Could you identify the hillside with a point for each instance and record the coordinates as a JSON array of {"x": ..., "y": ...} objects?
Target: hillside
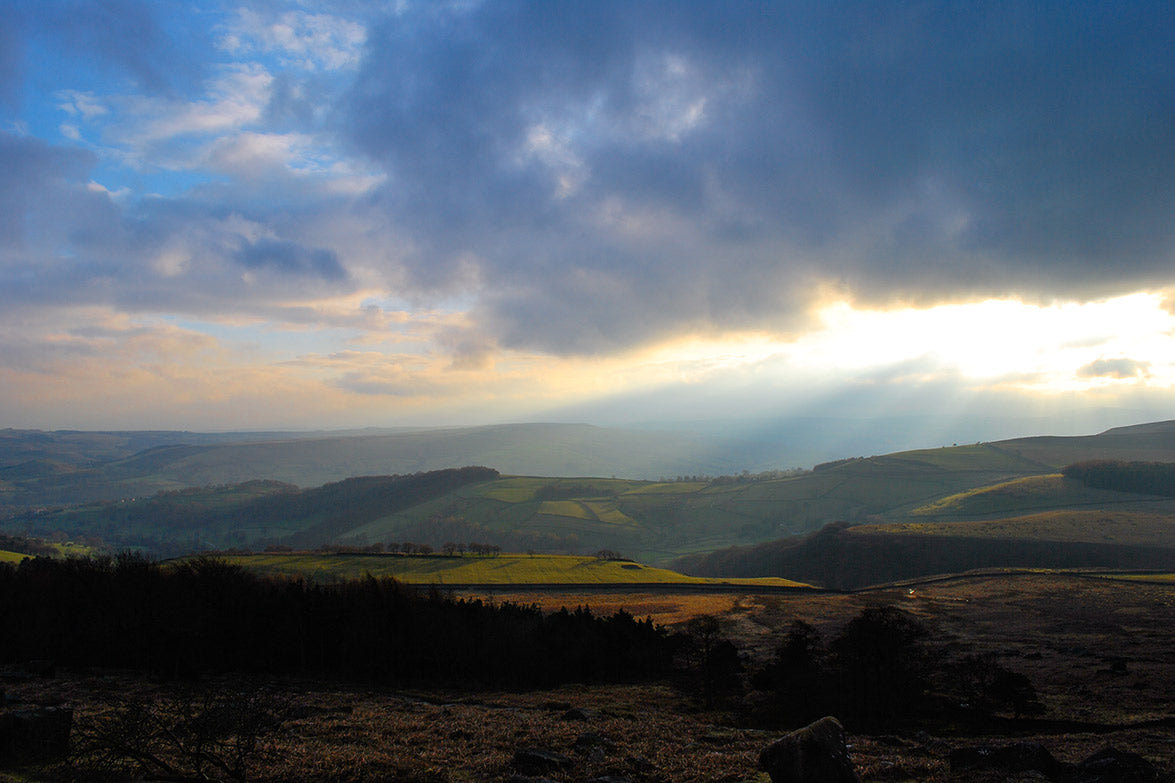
[
  {"x": 1153, "y": 442},
  {"x": 44, "y": 469},
  {"x": 651, "y": 520},
  {"x": 1036, "y": 493},
  {"x": 847, "y": 557}
]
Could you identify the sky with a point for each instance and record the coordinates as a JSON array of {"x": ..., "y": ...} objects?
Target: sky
[{"x": 276, "y": 215}]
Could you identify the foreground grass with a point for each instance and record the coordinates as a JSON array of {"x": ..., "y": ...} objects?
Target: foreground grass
[{"x": 505, "y": 569}]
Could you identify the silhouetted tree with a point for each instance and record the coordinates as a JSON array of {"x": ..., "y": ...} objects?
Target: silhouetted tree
[{"x": 882, "y": 663}]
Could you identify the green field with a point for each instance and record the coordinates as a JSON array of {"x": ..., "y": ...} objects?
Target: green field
[
  {"x": 11, "y": 557},
  {"x": 1093, "y": 527},
  {"x": 505, "y": 569},
  {"x": 1035, "y": 493},
  {"x": 651, "y": 521}
]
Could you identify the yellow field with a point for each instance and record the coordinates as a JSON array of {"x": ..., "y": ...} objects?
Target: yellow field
[
  {"x": 507, "y": 569},
  {"x": 668, "y": 488},
  {"x": 1022, "y": 488},
  {"x": 565, "y": 508},
  {"x": 607, "y": 511}
]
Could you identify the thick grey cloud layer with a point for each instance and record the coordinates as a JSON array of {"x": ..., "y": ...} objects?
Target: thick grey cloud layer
[
  {"x": 620, "y": 170},
  {"x": 588, "y": 176}
]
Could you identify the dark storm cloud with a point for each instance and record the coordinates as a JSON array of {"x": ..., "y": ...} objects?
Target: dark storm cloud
[
  {"x": 35, "y": 177},
  {"x": 291, "y": 258},
  {"x": 623, "y": 170},
  {"x": 125, "y": 37}
]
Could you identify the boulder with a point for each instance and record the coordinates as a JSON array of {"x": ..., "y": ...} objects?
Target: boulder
[
  {"x": 588, "y": 740},
  {"x": 536, "y": 761},
  {"x": 813, "y": 754},
  {"x": 1110, "y": 765},
  {"x": 1018, "y": 757},
  {"x": 35, "y": 734}
]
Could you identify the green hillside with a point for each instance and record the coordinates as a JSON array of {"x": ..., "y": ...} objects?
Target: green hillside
[
  {"x": 652, "y": 521},
  {"x": 847, "y": 557},
  {"x": 67, "y": 468},
  {"x": 1084, "y": 526},
  {"x": 1036, "y": 493}
]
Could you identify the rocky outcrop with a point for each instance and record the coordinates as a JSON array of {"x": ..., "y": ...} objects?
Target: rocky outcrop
[
  {"x": 539, "y": 761},
  {"x": 813, "y": 754},
  {"x": 1018, "y": 757},
  {"x": 1111, "y": 765},
  {"x": 35, "y": 734}
]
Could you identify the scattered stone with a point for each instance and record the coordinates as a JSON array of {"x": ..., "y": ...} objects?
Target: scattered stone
[
  {"x": 1111, "y": 765},
  {"x": 525, "y": 779},
  {"x": 610, "y": 779},
  {"x": 813, "y": 754},
  {"x": 1019, "y": 757},
  {"x": 556, "y": 706},
  {"x": 535, "y": 761},
  {"x": 588, "y": 740},
  {"x": 640, "y": 764},
  {"x": 719, "y": 737},
  {"x": 575, "y": 713},
  {"x": 35, "y": 734},
  {"x": 933, "y": 745}
]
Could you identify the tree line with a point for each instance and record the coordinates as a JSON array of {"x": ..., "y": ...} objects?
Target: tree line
[
  {"x": 881, "y": 670},
  {"x": 1144, "y": 478},
  {"x": 207, "y": 616}
]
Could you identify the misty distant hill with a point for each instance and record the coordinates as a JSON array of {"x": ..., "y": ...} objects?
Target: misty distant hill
[{"x": 62, "y": 468}]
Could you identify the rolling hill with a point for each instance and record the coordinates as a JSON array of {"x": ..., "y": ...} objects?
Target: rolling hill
[
  {"x": 66, "y": 468},
  {"x": 653, "y": 521},
  {"x": 845, "y": 557}
]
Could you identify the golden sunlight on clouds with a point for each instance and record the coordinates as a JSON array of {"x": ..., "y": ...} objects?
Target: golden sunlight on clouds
[
  {"x": 1004, "y": 343},
  {"x": 1046, "y": 348}
]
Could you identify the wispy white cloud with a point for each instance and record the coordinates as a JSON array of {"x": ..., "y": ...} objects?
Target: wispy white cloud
[{"x": 299, "y": 39}]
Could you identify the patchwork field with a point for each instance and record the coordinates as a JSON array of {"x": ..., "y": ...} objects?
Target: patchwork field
[
  {"x": 1036, "y": 493},
  {"x": 505, "y": 569},
  {"x": 653, "y": 522}
]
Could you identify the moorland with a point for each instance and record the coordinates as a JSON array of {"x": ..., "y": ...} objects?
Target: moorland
[{"x": 1024, "y": 590}]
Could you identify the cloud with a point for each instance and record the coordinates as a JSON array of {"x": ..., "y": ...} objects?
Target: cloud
[
  {"x": 289, "y": 257},
  {"x": 301, "y": 40},
  {"x": 129, "y": 38},
  {"x": 626, "y": 171},
  {"x": 1115, "y": 368}
]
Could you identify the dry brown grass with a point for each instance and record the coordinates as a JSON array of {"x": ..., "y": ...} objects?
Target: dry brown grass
[{"x": 1064, "y": 632}]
